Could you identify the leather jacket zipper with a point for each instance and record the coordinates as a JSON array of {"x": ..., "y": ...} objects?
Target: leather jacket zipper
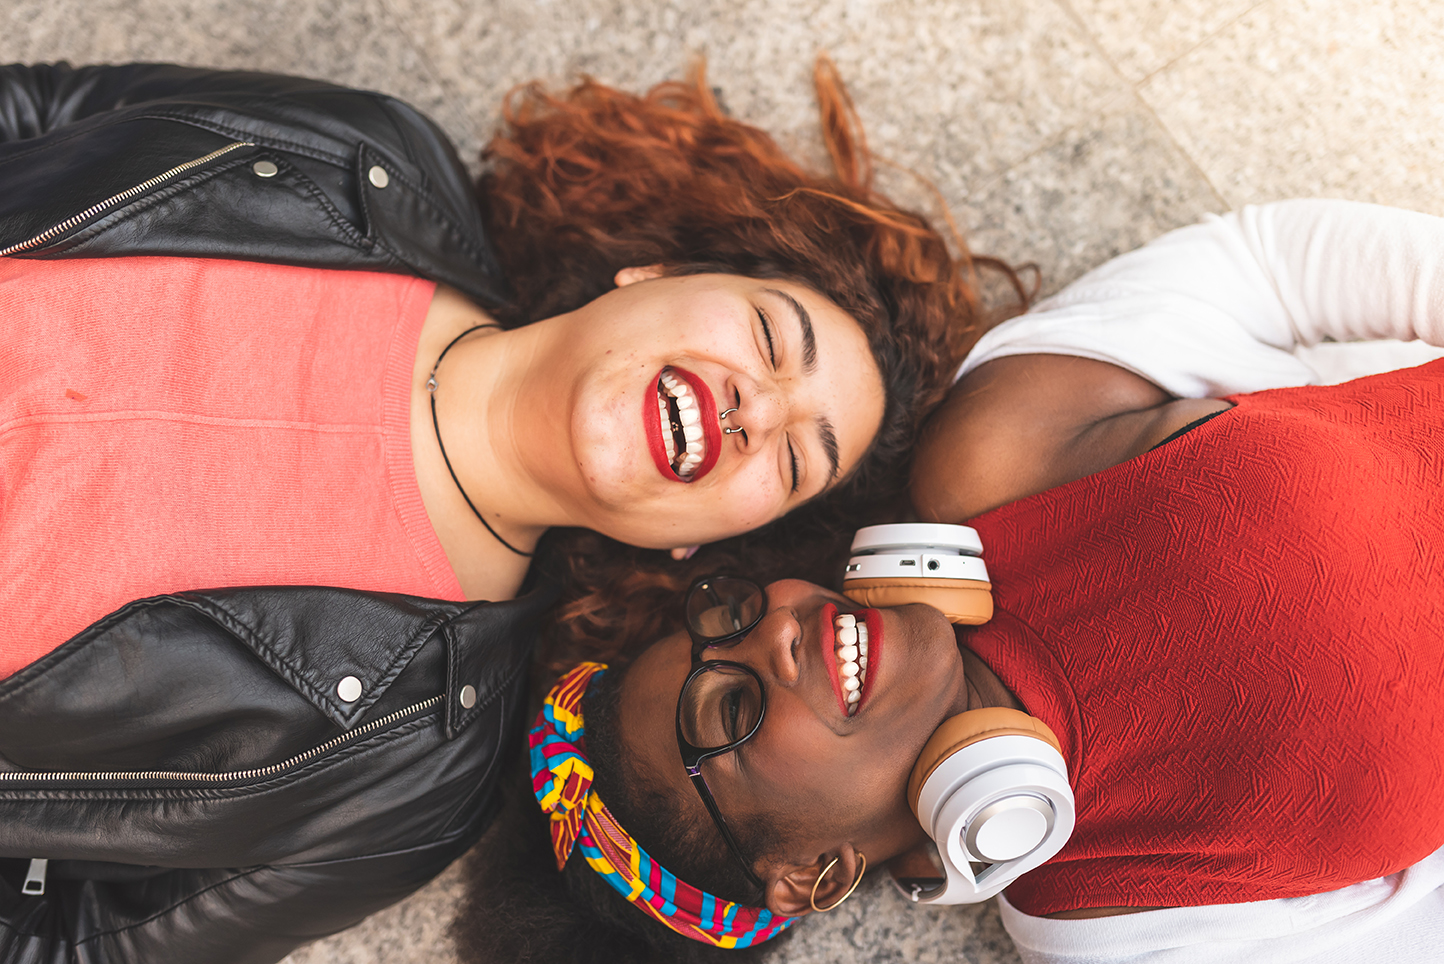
[
  {"x": 54, "y": 231},
  {"x": 236, "y": 776}
]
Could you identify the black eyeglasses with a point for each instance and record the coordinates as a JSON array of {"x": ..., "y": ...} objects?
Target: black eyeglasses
[{"x": 722, "y": 703}]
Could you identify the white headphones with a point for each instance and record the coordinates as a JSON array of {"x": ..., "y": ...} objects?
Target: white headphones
[{"x": 990, "y": 786}]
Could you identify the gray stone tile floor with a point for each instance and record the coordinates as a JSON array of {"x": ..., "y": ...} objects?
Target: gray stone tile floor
[{"x": 1058, "y": 132}]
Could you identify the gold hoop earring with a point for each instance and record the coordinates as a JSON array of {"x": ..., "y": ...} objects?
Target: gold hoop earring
[{"x": 856, "y": 880}]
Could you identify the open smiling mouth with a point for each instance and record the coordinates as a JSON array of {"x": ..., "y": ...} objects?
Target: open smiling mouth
[{"x": 682, "y": 444}]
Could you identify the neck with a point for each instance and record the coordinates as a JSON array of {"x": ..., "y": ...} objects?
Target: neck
[
  {"x": 485, "y": 411},
  {"x": 984, "y": 688}
]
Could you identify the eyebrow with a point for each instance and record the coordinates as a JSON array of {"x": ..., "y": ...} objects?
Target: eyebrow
[
  {"x": 804, "y": 321},
  {"x": 829, "y": 445},
  {"x": 825, "y": 430}
]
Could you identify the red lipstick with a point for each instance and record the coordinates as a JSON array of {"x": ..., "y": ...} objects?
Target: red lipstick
[
  {"x": 707, "y": 413},
  {"x": 652, "y": 423},
  {"x": 827, "y": 638}
]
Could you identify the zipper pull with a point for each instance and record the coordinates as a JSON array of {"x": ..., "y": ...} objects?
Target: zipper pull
[{"x": 35, "y": 877}]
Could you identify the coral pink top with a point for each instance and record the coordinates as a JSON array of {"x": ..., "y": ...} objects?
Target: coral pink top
[
  {"x": 172, "y": 423},
  {"x": 1239, "y": 640}
]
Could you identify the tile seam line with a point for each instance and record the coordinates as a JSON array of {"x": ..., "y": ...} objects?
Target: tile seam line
[
  {"x": 1136, "y": 88},
  {"x": 1173, "y": 138},
  {"x": 1203, "y": 42},
  {"x": 1064, "y": 133}
]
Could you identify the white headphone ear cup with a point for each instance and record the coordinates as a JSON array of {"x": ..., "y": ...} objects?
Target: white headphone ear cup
[{"x": 1002, "y": 800}]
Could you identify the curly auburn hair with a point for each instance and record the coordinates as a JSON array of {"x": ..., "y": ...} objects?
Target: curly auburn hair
[{"x": 582, "y": 184}]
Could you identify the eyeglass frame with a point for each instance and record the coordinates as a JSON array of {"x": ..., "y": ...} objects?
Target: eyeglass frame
[{"x": 692, "y": 756}]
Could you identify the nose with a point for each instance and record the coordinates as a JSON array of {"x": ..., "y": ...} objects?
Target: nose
[
  {"x": 763, "y": 413},
  {"x": 772, "y": 647},
  {"x": 777, "y": 643}
]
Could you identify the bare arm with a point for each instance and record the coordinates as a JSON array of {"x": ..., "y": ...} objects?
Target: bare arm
[
  {"x": 1133, "y": 351},
  {"x": 1022, "y": 424}
]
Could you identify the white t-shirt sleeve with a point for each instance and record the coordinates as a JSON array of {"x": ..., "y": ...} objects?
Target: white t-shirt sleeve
[
  {"x": 1392, "y": 920},
  {"x": 1265, "y": 297}
]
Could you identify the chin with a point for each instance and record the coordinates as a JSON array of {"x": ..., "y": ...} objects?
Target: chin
[
  {"x": 932, "y": 646},
  {"x": 613, "y": 467}
]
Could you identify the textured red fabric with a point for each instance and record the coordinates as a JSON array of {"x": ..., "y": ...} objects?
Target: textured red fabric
[
  {"x": 1239, "y": 640},
  {"x": 170, "y": 424}
]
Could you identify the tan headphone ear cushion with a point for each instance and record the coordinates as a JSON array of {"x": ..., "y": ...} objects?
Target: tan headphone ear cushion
[
  {"x": 965, "y": 601},
  {"x": 968, "y": 728}
]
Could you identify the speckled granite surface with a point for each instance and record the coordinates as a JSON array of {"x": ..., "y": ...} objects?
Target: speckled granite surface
[{"x": 1059, "y": 132}]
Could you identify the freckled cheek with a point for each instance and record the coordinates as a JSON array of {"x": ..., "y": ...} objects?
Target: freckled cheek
[{"x": 750, "y": 500}]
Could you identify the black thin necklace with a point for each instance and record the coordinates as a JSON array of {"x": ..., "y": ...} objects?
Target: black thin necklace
[{"x": 436, "y": 424}]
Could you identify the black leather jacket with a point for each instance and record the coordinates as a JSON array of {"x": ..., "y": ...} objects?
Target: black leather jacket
[
  {"x": 220, "y": 776},
  {"x": 204, "y": 793}
]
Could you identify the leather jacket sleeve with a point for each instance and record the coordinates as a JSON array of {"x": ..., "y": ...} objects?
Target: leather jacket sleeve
[
  {"x": 37, "y": 99},
  {"x": 253, "y": 915},
  {"x": 154, "y": 159}
]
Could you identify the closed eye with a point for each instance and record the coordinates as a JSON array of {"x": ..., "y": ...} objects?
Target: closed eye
[
  {"x": 731, "y": 710},
  {"x": 767, "y": 333},
  {"x": 792, "y": 455}
]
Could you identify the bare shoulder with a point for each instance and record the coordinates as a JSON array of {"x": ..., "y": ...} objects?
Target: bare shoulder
[{"x": 1023, "y": 424}]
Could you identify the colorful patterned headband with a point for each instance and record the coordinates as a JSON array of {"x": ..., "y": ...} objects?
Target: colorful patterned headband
[{"x": 561, "y": 777}]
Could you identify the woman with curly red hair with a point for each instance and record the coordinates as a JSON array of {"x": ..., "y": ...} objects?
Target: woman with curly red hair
[
  {"x": 654, "y": 325},
  {"x": 262, "y": 331}
]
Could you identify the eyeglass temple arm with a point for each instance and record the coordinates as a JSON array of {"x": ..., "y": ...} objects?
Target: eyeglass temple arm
[{"x": 705, "y": 792}]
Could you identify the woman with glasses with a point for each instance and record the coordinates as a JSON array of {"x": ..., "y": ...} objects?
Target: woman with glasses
[{"x": 1230, "y": 624}]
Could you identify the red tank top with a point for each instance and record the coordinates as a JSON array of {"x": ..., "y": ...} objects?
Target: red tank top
[
  {"x": 1239, "y": 639},
  {"x": 182, "y": 423}
]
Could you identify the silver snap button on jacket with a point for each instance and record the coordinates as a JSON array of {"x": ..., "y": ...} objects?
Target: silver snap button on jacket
[
  {"x": 468, "y": 696},
  {"x": 349, "y": 689},
  {"x": 265, "y": 168},
  {"x": 378, "y": 176}
]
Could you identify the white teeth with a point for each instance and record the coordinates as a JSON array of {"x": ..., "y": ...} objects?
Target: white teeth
[
  {"x": 850, "y": 648},
  {"x": 675, "y": 395},
  {"x": 667, "y": 442}
]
